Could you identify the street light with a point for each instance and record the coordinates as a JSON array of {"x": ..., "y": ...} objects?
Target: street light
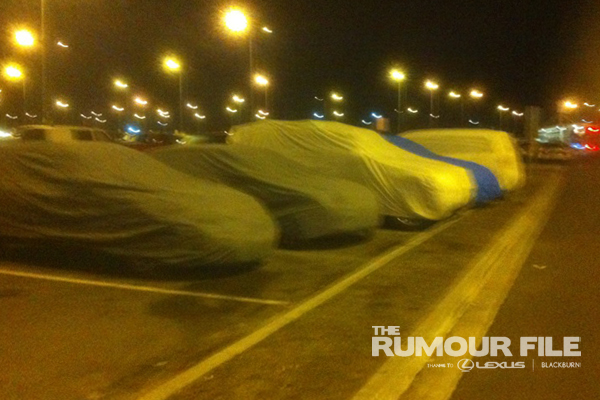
[
  {"x": 398, "y": 76},
  {"x": 431, "y": 86},
  {"x": 173, "y": 65},
  {"x": 457, "y": 96},
  {"x": 24, "y": 38},
  {"x": 476, "y": 95},
  {"x": 13, "y": 72},
  {"x": 501, "y": 110},
  {"x": 261, "y": 80}
]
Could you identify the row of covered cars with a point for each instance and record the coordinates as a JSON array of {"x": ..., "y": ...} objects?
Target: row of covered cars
[{"x": 274, "y": 182}]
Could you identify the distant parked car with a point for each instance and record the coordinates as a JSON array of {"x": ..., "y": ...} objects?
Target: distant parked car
[{"x": 61, "y": 133}]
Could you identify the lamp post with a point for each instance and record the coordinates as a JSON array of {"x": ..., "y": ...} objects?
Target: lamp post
[
  {"x": 457, "y": 96},
  {"x": 237, "y": 22},
  {"x": 398, "y": 76},
  {"x": 14, "y": 73},
  {"x": 261, "y": 80},
  {"x": 173, "y": 65},
  {"x": 501, "y": 110},
  {"x": 476, "y": 95},
  {"x": 432, "y": 87}
]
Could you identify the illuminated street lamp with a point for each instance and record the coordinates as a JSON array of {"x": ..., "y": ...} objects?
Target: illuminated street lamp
[
  {"x": 432, "y": 87},
  {"x": 120, "y": 84},
  {"x": 476, "y": 95},
  {"x": 173, "y": 65},
  {"x": 237, "y": 22},
  {"x": 501, "y": 110},
  {"x": 454, "y": 96},
  {"x": 398, "y": 76},
  {"x": 14, "y": 73},
  {"x": 261, "y": 80},
  {"x": 24, "y": 38}
]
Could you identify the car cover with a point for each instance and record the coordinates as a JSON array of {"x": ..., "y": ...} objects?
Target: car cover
[
  {"x": 496, "y": 150},
  {"x": 106, "y": 197},
  {"x": 405, "y": 184},
  {"x": 305, "y": 204},
  {"x": 488, "y": 188}
]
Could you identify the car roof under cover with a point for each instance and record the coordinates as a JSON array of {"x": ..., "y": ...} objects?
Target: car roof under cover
[
  {"x": 110, "y": 198},
  {"x": 305, "y": 204},
  {"x": 406, "y": 185}
]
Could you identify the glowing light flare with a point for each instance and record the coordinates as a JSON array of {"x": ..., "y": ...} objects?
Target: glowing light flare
[
  {"x": 102, "y": 121},
  {"x": 61, "y": 44},
  {"x": 570, "y": 105},
  {"x": 235, "y": 20},
  {"x": 62, "y": 104},
  {"x": 85, "y": 116},
  {"x": 397, "y": 75},
  {"x": 140, "y": 101},
  {"x": 120, "y": 84},
  {"x": 434, "y": 116},
  {"x": 476, "y": 94},
  {"x": 338, "y": 114},
  {"x": 117, "y": 108},
  {"x": 13, "y": 72},
  {"x": 139, "y": 116},
  {"x": 366, "y": 122},
  {"x": 431, "y": 85},
  {"x": 199, "y": 116},
  {"x": 24, "y": 38},
  {"x": 231, "y": 110},
  {"x": 133, "y": 130},
  {"x": 336, "y": 97},
  {"x": 377, "y": 116},
  {"x": 473, "y": 122},
  {"x": 266, "y": 29},
  {"x": 95, "y": 114},
  {"x": 260, "y": 116},
  {"x": 318, "y": 99},
  {"x": 454, "y": 95},
  {"x": 261, "y": 112},
  {"x": 517, "y": 114},
  {"x": 11, "y": 116},
  {"x": 172, "y": 64},
  {"x": 192, "y": 106},
  {"x": 162, "y": 123},
  {"x": 261, "y": 80},
  {"x": 502, "y": 108},
  {"x": 320, "y": 116},
  {"x": 30, "y": 115},
  {"x": 589, "y": 105},
  {"x": 590, "y": 129},
  {"x": 238, "y": 99},
  {"x": 412, "y": 111}
]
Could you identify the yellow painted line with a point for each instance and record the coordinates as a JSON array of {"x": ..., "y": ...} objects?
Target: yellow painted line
[
  {"x": 502, "y": 260},
  {"x": 189, "y": 376},
  {"x": 149, "y": 289}
]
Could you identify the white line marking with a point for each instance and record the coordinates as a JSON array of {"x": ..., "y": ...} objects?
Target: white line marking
[
  {"x": 187, "y": 377},
  {"x": 150, "y": 289},
  {"x": 498, "y": 266}
]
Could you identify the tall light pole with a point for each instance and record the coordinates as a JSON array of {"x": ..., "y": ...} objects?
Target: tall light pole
[
  {"x": 457, "y": 96},
  {"x": 475, "y": 94},
  {"x": 261, "y": 80},
  {"x": 172, "y": 64},
  {"x": 431, "y": 86},
  {"x": 14, "y": 73},
  {"x": 398, "y": 76},
  {"x": 501, "y": 110},
  {"x": 237, "y": 22}
]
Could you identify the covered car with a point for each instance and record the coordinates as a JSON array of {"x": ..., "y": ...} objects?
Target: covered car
[
  {"x": 305, "y": 204},
  {"x": 488, "y": 187},
  {"x": 406, "y": 185},
  {"x": 108, "y": 198},
  {"x": 495, "y": 150}
]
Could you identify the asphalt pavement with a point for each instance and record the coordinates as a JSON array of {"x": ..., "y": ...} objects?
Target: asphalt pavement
[{"x": 301, "y": 325}]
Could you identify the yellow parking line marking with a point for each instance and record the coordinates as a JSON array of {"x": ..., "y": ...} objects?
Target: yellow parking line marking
[
  {"x": 500, "y": 264},
  {"x": 189, "y": 376},
  {"x": 150, "y": 289}
]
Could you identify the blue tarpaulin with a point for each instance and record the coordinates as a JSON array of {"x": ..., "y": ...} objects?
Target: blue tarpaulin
[{"x": 488, "y": 187}]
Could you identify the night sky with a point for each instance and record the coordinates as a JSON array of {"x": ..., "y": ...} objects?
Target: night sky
[{"x": 519, "y": 52}]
